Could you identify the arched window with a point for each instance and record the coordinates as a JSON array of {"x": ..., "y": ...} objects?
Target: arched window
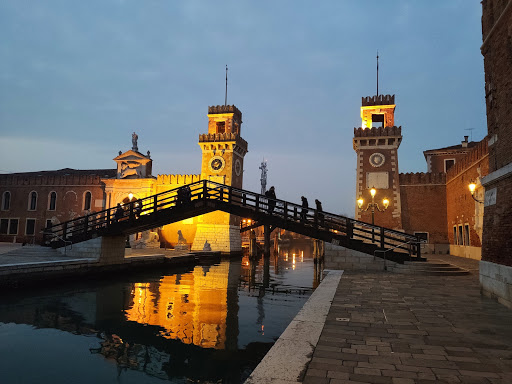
[
  {"x": 32, "y": 204},
  {"x": 53, "y": 201},
  {"x": 87, "y": 201},
  {"x": 6, "y": 201}
]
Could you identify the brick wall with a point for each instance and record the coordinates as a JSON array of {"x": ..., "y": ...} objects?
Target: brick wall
[
  {"x": 462, "y": 209},
  {"x": 497, "y": 52},
  {"x": 423, "y": 197},
  {"x": 70, "y": 191}
]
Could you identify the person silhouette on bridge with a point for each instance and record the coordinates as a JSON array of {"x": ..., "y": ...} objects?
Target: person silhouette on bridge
[
  {"x": 138, "y": 208},
  {"x": 319, "y": 212},
  {"x": 118, "y": 215},
  {"x": 271, "y": 196},
  {"x": 304, "y": 212}
]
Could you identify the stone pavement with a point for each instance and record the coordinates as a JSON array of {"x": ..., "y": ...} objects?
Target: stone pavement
[{"x": 390, "y": 328}]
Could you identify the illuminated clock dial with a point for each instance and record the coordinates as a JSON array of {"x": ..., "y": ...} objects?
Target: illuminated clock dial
[
  {"x": 377, "y": 159},
  {"x": 217, "y": 164}
]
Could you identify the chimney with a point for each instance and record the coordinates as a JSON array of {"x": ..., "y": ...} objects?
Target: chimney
[{"x": 465, "y": 142}]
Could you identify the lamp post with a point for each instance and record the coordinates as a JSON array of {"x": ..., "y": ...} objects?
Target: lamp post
[
  {"x": 372, "y": 206},
  {"x": 472, "y": 188}
]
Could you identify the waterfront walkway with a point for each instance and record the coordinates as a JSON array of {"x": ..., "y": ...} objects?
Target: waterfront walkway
[
  {"x": 395, "y": 329},
  {"x": 391, "y": 328}
]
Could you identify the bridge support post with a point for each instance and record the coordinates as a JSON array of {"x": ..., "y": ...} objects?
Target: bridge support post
[{"x": 267, "y": 231}]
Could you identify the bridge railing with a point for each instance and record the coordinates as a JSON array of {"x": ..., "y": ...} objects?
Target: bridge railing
[{"x": 82, "y": 227}]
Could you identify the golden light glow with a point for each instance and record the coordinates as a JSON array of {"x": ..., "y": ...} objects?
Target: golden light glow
[
  {"x": 385, "y": 202},
  {"x": 360, "y": 202},
  {"x": 472, "y": 187},
  {"x": 192, "y": 309},
  {"x": 373, "y": 192},
  {"x": 130, "y": 196}
]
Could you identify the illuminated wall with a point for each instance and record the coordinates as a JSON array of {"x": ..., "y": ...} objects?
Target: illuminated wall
[{"x": 192, "y": 307}]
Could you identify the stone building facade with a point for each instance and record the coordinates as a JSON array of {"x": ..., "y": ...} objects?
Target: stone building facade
[
  {"x": 496, "y": 265},
  {"x": 32, "y": 200}
]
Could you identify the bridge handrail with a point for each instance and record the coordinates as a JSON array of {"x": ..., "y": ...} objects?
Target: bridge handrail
[
  {"x": 384, "y": 251},
  {"x": 205, "y": 189}
]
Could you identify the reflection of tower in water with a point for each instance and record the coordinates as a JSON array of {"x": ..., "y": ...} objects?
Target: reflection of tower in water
[{"x": 195, "y": 307}]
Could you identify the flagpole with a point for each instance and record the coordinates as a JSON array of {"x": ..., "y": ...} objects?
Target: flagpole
[{"x": 226, "y": 97}]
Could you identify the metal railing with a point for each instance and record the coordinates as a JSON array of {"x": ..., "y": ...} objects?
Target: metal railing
[
  {"x": 210, "y": 196},
  {"x": 385, "y": 251}
]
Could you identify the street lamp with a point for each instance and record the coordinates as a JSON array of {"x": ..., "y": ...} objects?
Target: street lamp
[
  {"x": 472, "y": 188},
  {"x": 373, "y": 205}
]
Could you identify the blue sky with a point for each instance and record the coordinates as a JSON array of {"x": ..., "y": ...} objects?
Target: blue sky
[{"x": 78, "y": 77}]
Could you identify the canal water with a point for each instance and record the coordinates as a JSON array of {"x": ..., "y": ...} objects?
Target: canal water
[{"x": 209, "y": 323}]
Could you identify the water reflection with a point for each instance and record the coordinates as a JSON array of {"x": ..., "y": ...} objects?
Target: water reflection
[{"x": 211, "y": 322}]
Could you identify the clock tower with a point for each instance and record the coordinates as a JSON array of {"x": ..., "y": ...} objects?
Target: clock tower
[
  {"x": 222, "y": 162},
  {"x": 376, "y": 144}
]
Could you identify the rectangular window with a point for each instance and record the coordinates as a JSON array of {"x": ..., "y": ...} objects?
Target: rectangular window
[
  {"x": 13, "y": 227},
  {"x": 30, "y": 227},
  {"x": 466, "y": 234},
  {"x": 448, "y": 163},
  {"x": 4, "y": 226},
  {"x": 461, "y": 239},
  {"x": 221, "y": 127},
  {"x": 48, "y": 223},
  {"x": 455, "y": 235}
]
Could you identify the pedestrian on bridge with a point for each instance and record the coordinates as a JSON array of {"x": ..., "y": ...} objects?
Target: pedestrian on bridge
[
  {"x": 304, "y": 212},
  {"x": 319, "y": 212},
  {"x": 271, "y": 196},
  {"x": 118, "y": 215}
]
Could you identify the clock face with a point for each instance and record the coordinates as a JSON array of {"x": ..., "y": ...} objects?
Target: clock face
[
  {"x": 377, "y": 159},
  {"x": 216, "y": 164},
  {"x": 238, "y": 167}
]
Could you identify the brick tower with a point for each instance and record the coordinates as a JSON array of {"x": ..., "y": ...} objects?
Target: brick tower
[
  {"x": 222, "y": 162},
  {"x": 376, "y": 144}
]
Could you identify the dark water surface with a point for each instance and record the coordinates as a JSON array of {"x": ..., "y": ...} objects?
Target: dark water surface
[{"x": 210, "y": 323}]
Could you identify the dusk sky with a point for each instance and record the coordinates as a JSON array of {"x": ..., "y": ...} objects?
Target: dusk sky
[{"x": 78, "y": 77}]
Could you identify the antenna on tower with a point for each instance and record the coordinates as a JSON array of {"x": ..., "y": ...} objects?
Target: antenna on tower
[
  {"x": 470, "y": 133},
  {"x": 226, "y": 97},
  {"x": 263, "y": 178},
  {"x": 377, "y": 73}
]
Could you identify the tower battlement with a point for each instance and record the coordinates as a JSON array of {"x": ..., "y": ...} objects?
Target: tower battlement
[
  {"x": 378, "y": 131},
  {"x": 218, "y": 109},
  {"x": 422, "y": 178},
  {"x": 369, "y": 101}
]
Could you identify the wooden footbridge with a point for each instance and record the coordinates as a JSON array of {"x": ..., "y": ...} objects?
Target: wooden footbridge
[{"x": 205, "y": 196}]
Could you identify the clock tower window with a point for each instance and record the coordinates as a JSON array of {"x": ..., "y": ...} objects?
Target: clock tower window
[{"x": 221, "y": 126}]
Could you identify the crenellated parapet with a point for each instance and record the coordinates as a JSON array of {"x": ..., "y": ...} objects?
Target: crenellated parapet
[
  {"x": 369, "y": 101},
  {"x": 218, "y": 109},
  {"x": 422, "y": 178},
  {"x": 378, "y": 131},
  {"x": 223, "y": 141},
  {"x": 177, "y": 179},
  {"x": 50, "y": 180},
  {"x": 475, "y": 154}
]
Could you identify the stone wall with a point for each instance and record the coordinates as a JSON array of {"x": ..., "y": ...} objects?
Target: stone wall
[
  {"x": 221, "y": 237},
  {"x": 106, "y": 249},
  {"x": 496, "y": 282},
  {"x": 337, "y": 257}
]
